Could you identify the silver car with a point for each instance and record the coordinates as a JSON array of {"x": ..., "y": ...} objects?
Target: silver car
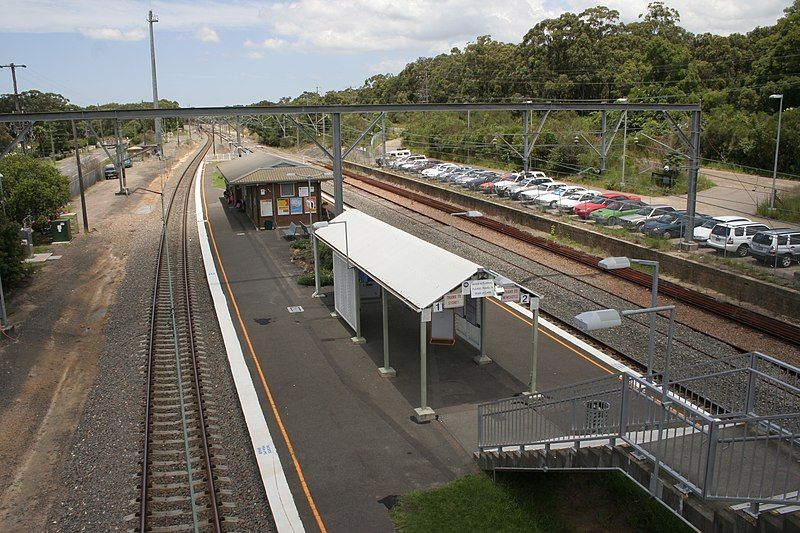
[{"x": 635, "y": 221}]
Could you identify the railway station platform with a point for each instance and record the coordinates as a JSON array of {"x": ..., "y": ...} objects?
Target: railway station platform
[{"x": 345, "y": 438}]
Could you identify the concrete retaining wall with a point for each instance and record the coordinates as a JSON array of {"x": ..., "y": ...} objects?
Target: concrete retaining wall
[{"x": 780, "y": 300}]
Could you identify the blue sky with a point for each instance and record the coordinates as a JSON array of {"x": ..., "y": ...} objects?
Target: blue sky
[{"x": 215, "y": 52}]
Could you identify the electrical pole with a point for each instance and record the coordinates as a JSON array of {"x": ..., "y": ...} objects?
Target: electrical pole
[
  {"x": 80, "y": 178},
  {"x": 14, "y": 68},
  {"x": 151, "y": 19}
]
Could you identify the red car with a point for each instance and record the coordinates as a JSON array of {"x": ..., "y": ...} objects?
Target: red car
[{"x": 598, "y": 202}]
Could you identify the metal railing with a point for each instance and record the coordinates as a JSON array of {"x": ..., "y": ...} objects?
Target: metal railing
[{"x": 737, "y": 448}]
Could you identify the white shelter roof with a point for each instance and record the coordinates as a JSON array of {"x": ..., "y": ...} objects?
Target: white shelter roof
[{"x": 414, "y": 270}]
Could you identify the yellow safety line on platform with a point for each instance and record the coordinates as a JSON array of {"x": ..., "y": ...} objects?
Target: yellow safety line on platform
[
  {"x": 553, "y": 337},
  {"x": 274, "y": 407}
]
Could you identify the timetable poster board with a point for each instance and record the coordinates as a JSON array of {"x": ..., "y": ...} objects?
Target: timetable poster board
[
  {"x": 266, "y": 208},
  {"x": 283, "y": 206},
  {"x": 296, "y": 206}
]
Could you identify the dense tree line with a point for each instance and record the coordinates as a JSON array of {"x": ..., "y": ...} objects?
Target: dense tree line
[{"x": 592, "y": 55}]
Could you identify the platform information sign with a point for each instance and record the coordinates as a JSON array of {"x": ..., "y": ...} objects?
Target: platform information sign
[
  {"x": 480, "y": 288},
  {"x": 453, "y": 300},
  {"x": 510, "y": 293}
]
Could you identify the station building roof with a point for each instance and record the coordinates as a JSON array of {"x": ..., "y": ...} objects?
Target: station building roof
[
  {"x": 259, "y": 168},
  {"x": 416, "y": 271}
]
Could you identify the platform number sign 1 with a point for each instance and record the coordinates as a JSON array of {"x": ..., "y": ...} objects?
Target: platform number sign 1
[{"x": 438, "y": 307}]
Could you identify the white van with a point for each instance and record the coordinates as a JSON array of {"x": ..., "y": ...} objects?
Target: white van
[
  {"x": 400, "y": 152},
  {"x": 735, "y": 236}
]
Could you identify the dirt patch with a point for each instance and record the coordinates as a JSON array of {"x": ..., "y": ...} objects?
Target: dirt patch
[{"x": 66, "y": 371}]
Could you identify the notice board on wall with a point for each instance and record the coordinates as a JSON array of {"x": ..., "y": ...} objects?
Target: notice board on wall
[{"x": 266, "y": 208}]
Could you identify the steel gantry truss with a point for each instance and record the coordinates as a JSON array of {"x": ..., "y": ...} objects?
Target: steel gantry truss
[{"x": 336, "y": 154}]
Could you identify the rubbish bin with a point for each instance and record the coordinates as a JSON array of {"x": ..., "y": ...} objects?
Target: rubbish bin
[
  {"x": 267, "y": 224},
  {"x": 597, "y": 414},
  {"x": 60, "y": 230}
]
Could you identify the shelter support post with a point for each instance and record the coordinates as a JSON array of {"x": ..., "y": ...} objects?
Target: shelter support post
[
  {"x": 423, "y": 413},
  {"x": 482, "y": 359},
  {"x": 358, "y": 339},
  {"x": 535, "y": 345},
  {"x": 317, "y": 293},
  {"x": 386, "y": 370}
]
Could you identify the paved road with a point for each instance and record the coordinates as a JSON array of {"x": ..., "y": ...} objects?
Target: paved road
[
  {"x": 69, "y": 168},
  {"x": 351, "y": 429}
]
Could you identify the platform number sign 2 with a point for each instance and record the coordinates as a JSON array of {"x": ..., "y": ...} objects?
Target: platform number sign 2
[{"x": 524, "y": 298}]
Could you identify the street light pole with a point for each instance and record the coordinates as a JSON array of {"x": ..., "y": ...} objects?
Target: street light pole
[
  {"x": 778, "y": 97},
  {"x": 151, "y": 19}
]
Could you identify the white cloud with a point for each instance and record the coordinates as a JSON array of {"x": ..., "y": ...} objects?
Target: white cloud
[
  {"x": 269, "y": 44},
  {"x": 254, "y": 54},
  {"x": 207, "y": 35},
  {"x": 113, "y": 34},
  {"x": 392, "y": 66},
  {"x": 355, "y": 26}
]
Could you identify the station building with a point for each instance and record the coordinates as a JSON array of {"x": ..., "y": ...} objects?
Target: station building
[{"x": 272, "y": 191}]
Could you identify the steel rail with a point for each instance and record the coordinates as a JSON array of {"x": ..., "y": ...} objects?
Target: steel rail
[
  {"x": 777, "y": 328},
  {"x": 152, "y": 338}
]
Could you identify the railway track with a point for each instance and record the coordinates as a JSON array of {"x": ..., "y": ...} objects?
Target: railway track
[
  {"x": 779, "y": 329},
  {"x": 178, "y": 485}
]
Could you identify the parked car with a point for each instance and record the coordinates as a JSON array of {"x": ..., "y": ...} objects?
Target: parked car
[
  {"x": 667, "y": 226},
  {"x": 412, "y": 160},
  {"x": 528, "y": 196},
  {"x": 127, "y": 163},
  {"x": 488, "y": 186},
  {"x": 551, "y": 199},
  {"x": 635, "y": 221},
  {"x": 777, "y": 247},
  {"x": 510, "y": 181},
  {"x": 585, "y": 209},
  {"x": 671, "y": 225},
  {"x": 109, "y": 172},
  {"x": 569, "y": 201},
  {"x": 702, "y": 232},
  {"x": 527, "y": 184},
  {"x": 445, "y": 175},
  {"x": 611, "y": 213},
  {"x": 734, "y": 237},
  {"x": 486, "y": 177},
  {"x": 435, "y": 170}
]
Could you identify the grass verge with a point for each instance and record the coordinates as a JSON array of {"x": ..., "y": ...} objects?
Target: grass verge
[
  {"x": 533, "y": 502},
  {"x": 217, "y": 181},
  {"x": 787, "y": 207}
]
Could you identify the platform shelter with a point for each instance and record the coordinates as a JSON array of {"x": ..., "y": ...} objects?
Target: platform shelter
[{"x": 373, "y": 259}]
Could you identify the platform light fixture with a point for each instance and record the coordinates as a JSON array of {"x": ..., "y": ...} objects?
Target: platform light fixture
[
  {"x": 611, "y": 318},
  {"x": 615, "y": 263}
]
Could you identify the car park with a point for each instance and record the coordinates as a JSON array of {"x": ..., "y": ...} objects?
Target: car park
[
  {"x": 611, "y": 213},
  {"x": 777, "y": 247},
  {"x": 530, "y": 195},
  {"x": 551, "y": 199},
  {"x": 734, "y": 237},
  {"x": 702, "y": 232},
  {"x": 599, "y": 202},
  {"x": 635, "y": 221}
]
